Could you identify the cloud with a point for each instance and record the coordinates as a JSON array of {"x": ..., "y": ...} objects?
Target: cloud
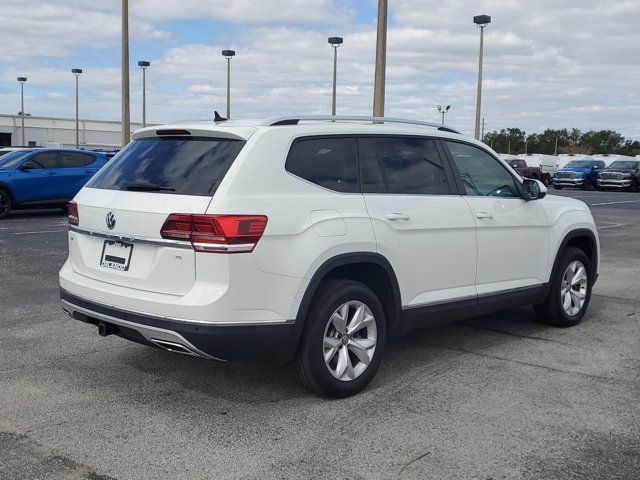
[{"x": 560, "y": 64}]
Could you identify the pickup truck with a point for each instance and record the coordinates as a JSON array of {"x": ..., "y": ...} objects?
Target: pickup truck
[
  {"x": 525, "y": 171},
  {"x": 621, "y": 175},
  {"x": 578, "y": 173}
]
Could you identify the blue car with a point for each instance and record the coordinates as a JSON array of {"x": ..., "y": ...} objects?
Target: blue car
[
  {"x": 44, "y": 178},
  {"x": 578, "y": 173}
]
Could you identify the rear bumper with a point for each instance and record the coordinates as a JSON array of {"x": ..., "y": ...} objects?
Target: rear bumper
[{"x": 274, "y": 342}]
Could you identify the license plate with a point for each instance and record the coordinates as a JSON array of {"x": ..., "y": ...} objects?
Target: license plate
[{"x": 116, "y": 255}]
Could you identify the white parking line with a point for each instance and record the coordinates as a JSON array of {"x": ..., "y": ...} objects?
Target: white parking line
[
  {"x": 615, "y": 225},
  {"x": 614, "y": 203},
  {"x": 41, "y": 231}
]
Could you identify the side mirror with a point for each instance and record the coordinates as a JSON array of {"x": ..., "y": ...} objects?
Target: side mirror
[
  {"x": 533, "y": 189},
  {"x": 27, "y": 166}
]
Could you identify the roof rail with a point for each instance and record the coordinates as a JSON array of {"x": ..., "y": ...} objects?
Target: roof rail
[{"x": 276, "y": 121}]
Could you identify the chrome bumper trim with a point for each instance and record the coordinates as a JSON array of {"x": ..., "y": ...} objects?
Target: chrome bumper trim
[{"x": 154, "y": 335}]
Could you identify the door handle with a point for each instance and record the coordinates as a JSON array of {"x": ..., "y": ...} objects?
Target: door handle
[
  {"x": 484, "y": 215},
  {"x": 395, "y": 217}
]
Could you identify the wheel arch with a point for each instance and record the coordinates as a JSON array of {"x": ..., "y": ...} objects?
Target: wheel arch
[
  {"x": 584, "y": 239},
  {"x": 372, "y": 269},
  {"x": 6, "y": 188}
]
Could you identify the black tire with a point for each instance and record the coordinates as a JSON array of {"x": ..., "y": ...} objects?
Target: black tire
[
  {"x": 5, "y": 203},
  {"x": 557, "y": 187},
  {"x": 309, "y": 362},
  {"x": 551, "y": 312},
  {"x": 602, "y": 189},
  {"x": 634, "y": 186},
  {"x": 546, "y": 180}
]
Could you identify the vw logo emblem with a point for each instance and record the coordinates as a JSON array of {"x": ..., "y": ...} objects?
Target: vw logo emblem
[{"x": 111, "y": 220}]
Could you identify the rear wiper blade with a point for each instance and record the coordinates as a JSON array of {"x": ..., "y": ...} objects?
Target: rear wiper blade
[{"x": 147, "y": 187}]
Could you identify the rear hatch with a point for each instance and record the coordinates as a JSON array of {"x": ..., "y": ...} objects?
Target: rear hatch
[{"x": 122, "y": 210}]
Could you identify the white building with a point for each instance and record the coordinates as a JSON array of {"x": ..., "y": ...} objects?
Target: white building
[{"x": 60, "y": 132}]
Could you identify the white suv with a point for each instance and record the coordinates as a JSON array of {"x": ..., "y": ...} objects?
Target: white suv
[{"x": 314, "y": 239}]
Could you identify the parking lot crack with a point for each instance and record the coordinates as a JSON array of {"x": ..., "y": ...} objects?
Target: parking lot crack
[
  {"x": 536, "y": 365},
  {"x": 513, "y": 334},
  {"x": 411, "y": 462}
]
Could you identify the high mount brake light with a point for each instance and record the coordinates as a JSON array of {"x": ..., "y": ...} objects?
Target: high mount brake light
[
  {"x": 72, "y": 214},
  {"x": 172, "y": 133},
  {"x": 216, "y": 233}
]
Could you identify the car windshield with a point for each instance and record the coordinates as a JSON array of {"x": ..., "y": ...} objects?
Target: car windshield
[
  {"x": 578, "y": 164},
  {"x": 630, "y": 164},
  {"x": 518, "y": 163},
  {"x": 10, "y": 160}
]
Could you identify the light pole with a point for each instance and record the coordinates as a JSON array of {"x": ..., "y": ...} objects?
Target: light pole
[
  {"x": 126, "y": 107},
  {"x": 443, "y": 111},
  {"x": 77, "y": 72},
  {"x": 335, "y": 42},
  {"x": 482, "y": 21},
  {"x": 228, "y": 54},
  {"x": 22, "y": 81},
  {"x": 381, "y": 60},
  {"x": 144, "y": 65}
]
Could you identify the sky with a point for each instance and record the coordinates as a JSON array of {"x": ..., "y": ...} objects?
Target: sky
[{"x": 548, "y": 63}]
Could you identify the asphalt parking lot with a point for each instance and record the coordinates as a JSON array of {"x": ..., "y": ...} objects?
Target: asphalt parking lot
[{"x": 491, "y": 398}]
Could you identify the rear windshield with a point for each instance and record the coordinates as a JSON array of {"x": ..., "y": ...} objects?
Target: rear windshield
[
  {"x": 193, "y": 166},
  {"x": 518, "y": 163}
]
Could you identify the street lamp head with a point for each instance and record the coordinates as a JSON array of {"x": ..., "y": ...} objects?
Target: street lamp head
[
  {"x": 76, "y": 71},
  {"x": 439, "y": 108},
  {"x": 228, "y": 53},
  {"x": 335, "y": 41},
  {"x": 22, "y": 79},
  {"x": 144, "y": 64},
  {"x": 482, "y": 20},
  {"x": 447, "y": 109}
]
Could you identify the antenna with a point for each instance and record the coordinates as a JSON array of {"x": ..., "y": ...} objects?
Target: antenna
[{"x": 218, "y": 118}]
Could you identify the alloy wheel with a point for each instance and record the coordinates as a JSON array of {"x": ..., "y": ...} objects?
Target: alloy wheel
[
  {"x": 573, "y": 288},
  {"x": 349, "y": 341}
]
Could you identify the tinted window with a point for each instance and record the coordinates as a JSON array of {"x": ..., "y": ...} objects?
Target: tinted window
[
  {"x": 46, "y": 160},
  {"x": 598, "y": 165},
  {"x": 192, "y": 166},
  {"x": 401, "y": 165},
  {"x": 518, "y": 163},
  {"x": 329, "y": 162},
  {"x": 71, "y": 159},
  {"x": 482, "y": 174}
]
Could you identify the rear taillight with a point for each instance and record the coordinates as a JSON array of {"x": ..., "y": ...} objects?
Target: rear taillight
[
  {"x": 72, "y": 214},
  {"x": 216, "y": 233}
]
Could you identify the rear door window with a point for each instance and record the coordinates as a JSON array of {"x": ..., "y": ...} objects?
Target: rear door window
[
  {"x": 193, "y": 166},
  {"x": 326, "y": 161},
  {"x": 402, "y": 165},
  {"x": 72, "y": 159}
]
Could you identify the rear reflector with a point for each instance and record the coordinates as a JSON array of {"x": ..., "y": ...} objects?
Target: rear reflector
[
  {"x": 72, "y": 214},
  {"x": 216, "y": 233}
]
